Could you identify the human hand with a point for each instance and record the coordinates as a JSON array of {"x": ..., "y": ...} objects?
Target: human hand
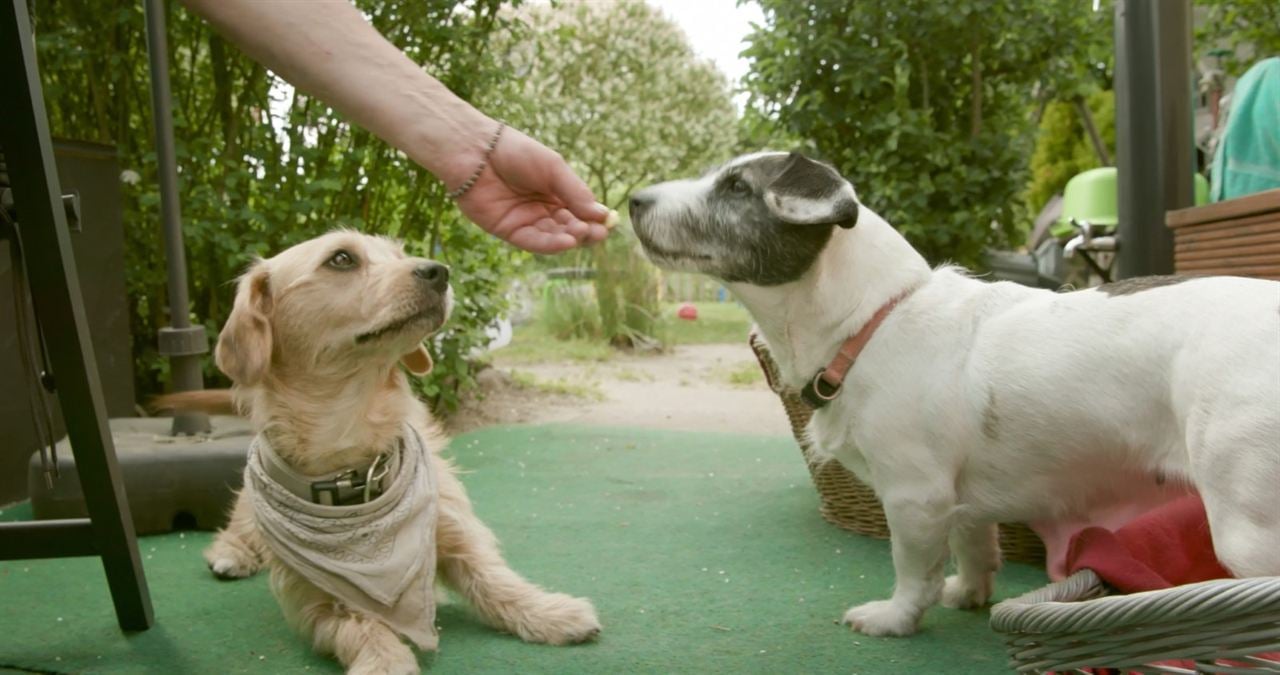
[{"x": 528, "y": 196}]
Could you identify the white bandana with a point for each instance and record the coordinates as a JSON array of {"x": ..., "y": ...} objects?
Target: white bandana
[{"x": 379, "y": 557}]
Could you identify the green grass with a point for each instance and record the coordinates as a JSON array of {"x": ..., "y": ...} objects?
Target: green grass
[
  {"x": 629, "y": 375},
  {"x": 532, "y": 343},
  {"x": 745, "y": 374},
  {"x": 717, "y": 323},
  {"x": 558, "y": 386}
]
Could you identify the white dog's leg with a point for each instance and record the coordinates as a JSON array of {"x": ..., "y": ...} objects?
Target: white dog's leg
[
  {"x": 237, "y": 550},
  {"x": 1235, "y": 462},
  {"x": 919, "y": 521},
  {"x": 471, "y": 564},
  {"x": 976, "y": 549},
  {"x": 361, "y": 642}
]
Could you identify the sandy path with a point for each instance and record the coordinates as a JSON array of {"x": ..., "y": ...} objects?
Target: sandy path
[{"x": 687, "y": 389}]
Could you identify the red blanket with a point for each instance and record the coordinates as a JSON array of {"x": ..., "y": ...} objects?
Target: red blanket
[{"x": 1167, "y": 546}]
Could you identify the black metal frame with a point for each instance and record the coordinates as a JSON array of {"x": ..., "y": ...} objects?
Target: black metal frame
[{"x": 55, "y": 290}]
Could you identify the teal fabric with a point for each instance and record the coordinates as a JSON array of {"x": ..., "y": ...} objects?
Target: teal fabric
[{"x": 1248, "y": 157}]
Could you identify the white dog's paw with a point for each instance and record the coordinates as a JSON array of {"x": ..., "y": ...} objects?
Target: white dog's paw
[
  {"x": 556, "y": 619},
  {"x": 389, "y": 659},
  {"x": 228, "y": 561},
  {"x": 965, "y": 594},
  {"x": 883, "y": 618}
]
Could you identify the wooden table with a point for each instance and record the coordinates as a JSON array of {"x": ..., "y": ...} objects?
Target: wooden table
[{"x": 1237, "y": 237}]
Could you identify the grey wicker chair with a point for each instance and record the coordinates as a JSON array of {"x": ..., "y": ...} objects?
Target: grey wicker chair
[{"x": 1222, "y": 626}]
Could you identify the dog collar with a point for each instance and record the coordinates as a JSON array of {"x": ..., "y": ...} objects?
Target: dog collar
[
  {"x": 827, "y": 383},
  {"x": 342, "y": 488}
]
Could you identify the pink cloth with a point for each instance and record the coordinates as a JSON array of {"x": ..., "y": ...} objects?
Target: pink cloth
[
  {"x": 1145, "y": 495},
  {"x": 1165, "y": 547}
]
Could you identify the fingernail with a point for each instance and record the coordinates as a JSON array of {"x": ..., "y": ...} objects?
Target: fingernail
[{"x": 601, "y": 210}]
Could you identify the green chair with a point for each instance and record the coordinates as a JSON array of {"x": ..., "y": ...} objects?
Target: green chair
[{"x": 1090, "y": 210}]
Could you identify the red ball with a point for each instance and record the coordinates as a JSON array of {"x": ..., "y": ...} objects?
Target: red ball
[{"x": 687, "y": 311}]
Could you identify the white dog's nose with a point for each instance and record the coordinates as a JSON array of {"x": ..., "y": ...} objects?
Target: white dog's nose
[{"x": 639, "y": 203}]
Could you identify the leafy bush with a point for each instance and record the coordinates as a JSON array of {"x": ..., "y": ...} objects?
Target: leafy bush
[
  {"x": 1248, "y": 29},
  {"x": 924, "y": 105},
  {"x": 1063, "y": 148},
  {"x": 627, "y": 292},
  {"x": 261, "y": 167},
  {"x": 616, "y": 88},
  {"x": 569, "y": 310},
  {"x": 620, "y": 304}
]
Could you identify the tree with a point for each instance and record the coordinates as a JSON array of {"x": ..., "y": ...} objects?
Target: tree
[
  {"x": 1249, "y": 30},
  {"x": 927, "y": 107},
  {"x": 262, "y": 167},
  {"x": 1063, "y": 148},
  {"x": 616, "y": 88}
]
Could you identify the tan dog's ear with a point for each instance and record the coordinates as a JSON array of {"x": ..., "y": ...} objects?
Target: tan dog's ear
[
  {"x": 244, "y": 346},
  {"x": 418, "y": 361}
]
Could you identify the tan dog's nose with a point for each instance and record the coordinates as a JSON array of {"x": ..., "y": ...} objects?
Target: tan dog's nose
[{"x": 433, "y": 275}]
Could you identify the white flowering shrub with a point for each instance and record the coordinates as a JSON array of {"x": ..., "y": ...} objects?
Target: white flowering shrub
[{"x": 616, "y": 88}]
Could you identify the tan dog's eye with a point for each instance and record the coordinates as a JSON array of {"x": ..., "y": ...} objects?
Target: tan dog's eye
[{"x": 341, "y": 260}]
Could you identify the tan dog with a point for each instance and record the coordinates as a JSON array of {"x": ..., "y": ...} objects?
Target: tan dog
[{"x": 312, "y": 346}]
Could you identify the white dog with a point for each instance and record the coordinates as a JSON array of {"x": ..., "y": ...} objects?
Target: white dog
[
  {"x": 965, "y": 403},
  {"x": 312, "y": 346}
]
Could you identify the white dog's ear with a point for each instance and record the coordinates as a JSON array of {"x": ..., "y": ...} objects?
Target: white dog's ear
[
  {"x": 244, "y": 345},
  {"x": 418, "y": 361},
  {"x": 806, "y": 192}
]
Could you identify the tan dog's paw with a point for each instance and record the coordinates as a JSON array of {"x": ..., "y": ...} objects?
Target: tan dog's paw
[
  {"x": 963, "y": 594},
  {"x": 386, "y": 659},
  {"x": 883, "y": 618},
  {"x": 558, "y": 619},
  {"x": 230, "y": 561}
]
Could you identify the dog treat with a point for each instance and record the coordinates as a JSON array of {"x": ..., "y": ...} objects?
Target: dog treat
[{"x": 611, "y": 220}]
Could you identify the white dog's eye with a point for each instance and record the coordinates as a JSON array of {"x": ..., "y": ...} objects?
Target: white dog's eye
[
  {"x": 341, "y": 260},
  {"x": 739, "y": 187}
]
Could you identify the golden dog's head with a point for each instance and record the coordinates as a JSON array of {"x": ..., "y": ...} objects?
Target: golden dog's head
[{"x": 336, "y": 303}]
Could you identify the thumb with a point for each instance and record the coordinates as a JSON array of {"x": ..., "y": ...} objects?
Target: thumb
[{"x": 576, "y": 196}]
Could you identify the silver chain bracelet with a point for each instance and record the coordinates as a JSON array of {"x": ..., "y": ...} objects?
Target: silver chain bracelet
[{"x": 484, "y": 161}]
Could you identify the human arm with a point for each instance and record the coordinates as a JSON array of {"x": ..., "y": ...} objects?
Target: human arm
[{"x": 526, "y": 195}]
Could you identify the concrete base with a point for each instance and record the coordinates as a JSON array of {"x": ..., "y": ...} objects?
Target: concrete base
[{"x": 172, "y": 483}]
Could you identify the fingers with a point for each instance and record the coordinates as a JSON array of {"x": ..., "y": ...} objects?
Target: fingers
[
  {"x": 596, "y": 233},
  {"x": 585, "y": 233},
  {"x": 575, "y": 195},
  {"x": 536, "y": 240},
  {"x": 576, "y": 228}
]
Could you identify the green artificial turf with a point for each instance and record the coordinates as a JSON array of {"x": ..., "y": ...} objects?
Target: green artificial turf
[{"x": 704, "y": 553}]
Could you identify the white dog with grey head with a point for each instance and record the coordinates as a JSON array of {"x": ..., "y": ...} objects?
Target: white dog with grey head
[{"x": 965, "y": 403}]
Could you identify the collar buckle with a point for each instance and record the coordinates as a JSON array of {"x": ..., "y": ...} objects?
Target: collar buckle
[
  {"x": 827, "y": 384},
  {"x": 354, "y": 486},
  {"x": 820, "y": 391}
]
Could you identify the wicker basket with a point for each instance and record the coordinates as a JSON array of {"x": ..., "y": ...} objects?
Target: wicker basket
[
  {"x": 851, "y": 504},
  {"x": 1222, "y": 626}
]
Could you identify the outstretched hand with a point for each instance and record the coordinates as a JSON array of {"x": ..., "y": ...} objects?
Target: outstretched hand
[{"x": 528, "y": 196}]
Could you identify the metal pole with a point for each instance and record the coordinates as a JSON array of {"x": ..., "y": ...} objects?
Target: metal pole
[
  {"x": 182, "y": 342},
  {"x": 1155, "y": 153}
]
